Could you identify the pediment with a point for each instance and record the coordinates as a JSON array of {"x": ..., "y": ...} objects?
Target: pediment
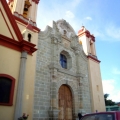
[
  {"x": 8, "y": 24},
  {"x": 65, "y": 28}
]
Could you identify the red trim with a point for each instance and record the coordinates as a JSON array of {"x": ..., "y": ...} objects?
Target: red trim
[
  {"x": 7, "y": 24},
  {"x": 26, "y": 23},
  {"x": 9, "y": 1},
  {"x": 87, "y": 35},
  {"x": 7, "y": 42},
  {"x": 16, "y": 45},
  {"x": 36, "y": 28},
  {"x": 29, "y": 26},
  {"x": 19, "y": 45},
  {"x": 29, "y": 47},
  {"x": 81, "y": 32},
  {"x": 12, "y": 89},
  {"x": 93, "y": 58},
  {"x": 12, "y": 20},
  {"x": 36, "y": 1},
  {"x": 23, "y": 17},
  {"x": 92, "y": 38}
]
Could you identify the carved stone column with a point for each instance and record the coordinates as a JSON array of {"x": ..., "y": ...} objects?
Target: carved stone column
[
  {"x": 55, "y": 39},
  {"x": 80, "y": 78},
  {"x": 53, "y": 112},
  {"x": 80, "y": 94}
]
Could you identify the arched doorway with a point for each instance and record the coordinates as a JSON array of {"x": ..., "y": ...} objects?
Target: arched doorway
[{"x": 65, "y": 103}]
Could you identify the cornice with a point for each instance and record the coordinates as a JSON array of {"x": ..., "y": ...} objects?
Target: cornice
[
  {"x": 93, "y": 58},
  {"x": 24, "y": 21},
  {"x": 17, "y": 45},
  {"x": 85, "y": 32},
  {"x": 53, "y": 66},
  {"x": 36, "y": 1}
]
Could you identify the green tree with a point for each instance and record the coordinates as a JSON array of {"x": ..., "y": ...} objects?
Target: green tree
[{"x": 108, "y": 102}]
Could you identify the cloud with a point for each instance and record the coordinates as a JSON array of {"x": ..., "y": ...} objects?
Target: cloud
[
  {"x": 69, "y": 14},
  {"x": 99, "y": 34},
  {"x": 115, "y": 96},
  {"x": 113, "y": 32},
  {"x": 53, "y": 10},
  {"x": 109, "y": 88},
  {"x": 88, "y": 18},
  {"x": 109, "y": 33},
  {"x": 75, "y": 3},
  {"x": 116, "y": 71}
]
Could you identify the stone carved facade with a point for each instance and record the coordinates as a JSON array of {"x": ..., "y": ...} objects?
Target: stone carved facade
[{"x": 55, "y": 40}]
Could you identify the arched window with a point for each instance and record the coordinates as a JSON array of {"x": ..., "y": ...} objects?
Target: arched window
[
  {"x": 63, "y": 61},
  {"x": 29, "y": 37},
  {"x": 26, "y": 8},
  {"x": 6, "y": 89}
]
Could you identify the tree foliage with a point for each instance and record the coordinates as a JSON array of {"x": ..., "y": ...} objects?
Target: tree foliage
[{"x": 108, "y": 102}]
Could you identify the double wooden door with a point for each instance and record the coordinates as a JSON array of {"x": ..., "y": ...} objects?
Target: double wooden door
[{"x": 65, "y": 103}]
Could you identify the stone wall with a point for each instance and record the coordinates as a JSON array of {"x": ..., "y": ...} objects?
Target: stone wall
[{"x": 50, "y": 75}]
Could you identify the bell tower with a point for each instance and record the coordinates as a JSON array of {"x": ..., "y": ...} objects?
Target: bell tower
[
  {"x": 25, "y": 14},
  {"x": 24, "y": 9},
  {"x": 88, "y": 42}
]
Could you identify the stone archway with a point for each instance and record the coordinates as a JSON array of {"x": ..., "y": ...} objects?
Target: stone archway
[{"x": 65, "y": 103}]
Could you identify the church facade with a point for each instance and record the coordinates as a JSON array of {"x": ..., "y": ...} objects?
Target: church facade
[
  {"x": 50, "y": 74},
  {"x": 63, "y": 85}
]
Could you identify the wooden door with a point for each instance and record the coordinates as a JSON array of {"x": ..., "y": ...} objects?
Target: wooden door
[{"x": 65, "y": 103}]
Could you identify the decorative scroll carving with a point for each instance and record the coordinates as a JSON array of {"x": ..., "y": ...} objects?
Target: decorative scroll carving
[
  {"x": 65, "y": 28},
  {"x": 55, "y": 34},
  {"x": 74, "y": 41}
]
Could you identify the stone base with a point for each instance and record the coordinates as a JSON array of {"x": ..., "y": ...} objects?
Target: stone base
[
  {"x": 81, "y": 111},
  {"x": 53, "y": 114}
]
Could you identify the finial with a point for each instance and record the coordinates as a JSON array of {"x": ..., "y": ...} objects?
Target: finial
[{"x": 29, "y": 20}]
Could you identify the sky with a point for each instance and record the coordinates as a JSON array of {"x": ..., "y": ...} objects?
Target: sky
[{"x": 101, "y": 18}]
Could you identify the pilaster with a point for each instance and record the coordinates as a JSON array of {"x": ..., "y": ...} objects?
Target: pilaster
[{"x": 20, "y": 88}]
